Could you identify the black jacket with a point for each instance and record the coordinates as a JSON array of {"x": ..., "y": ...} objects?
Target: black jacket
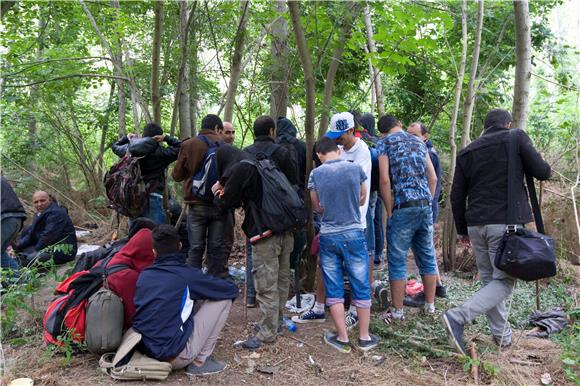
[
  {"x": 53, "y": 226},
  {"x": 479, "y": 191},
  {"x": 280, "y": 156},
  {"x": 286, "y": 134},
  {"x": 156, "y": 158},
  {"x": 10, "y": 205}
]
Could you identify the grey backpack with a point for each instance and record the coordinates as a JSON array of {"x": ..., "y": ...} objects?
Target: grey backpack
[{"x": 105, "y": 317}]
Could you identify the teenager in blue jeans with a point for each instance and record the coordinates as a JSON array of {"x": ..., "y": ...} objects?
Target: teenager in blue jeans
[{"x": 337, "y": 191}]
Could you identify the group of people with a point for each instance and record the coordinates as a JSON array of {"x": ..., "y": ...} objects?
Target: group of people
[{"x": 180, "y": 311}]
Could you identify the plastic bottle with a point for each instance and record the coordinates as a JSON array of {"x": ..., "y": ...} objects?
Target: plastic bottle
[{"x": 290, "y": 325}]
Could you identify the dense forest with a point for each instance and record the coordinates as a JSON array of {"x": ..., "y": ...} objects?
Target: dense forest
[{"x": 78, "y": 75}]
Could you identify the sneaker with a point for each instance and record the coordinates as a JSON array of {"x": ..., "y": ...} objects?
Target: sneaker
[
  {"x": 331, "y": 339},
  {"x": 415, "y": 301},
  {"x": 454, "y": 333},
  {"x": 367, "y": 345},
  {"x": 251, "y": 302},
  {"x": 211, "y": 366},
  {"x": 350, "y": 319},
  {"x": 502, "y": 343},
  {"x": 441, "y": 291},
  {"x": 310, "y": 316},
  {"x": 252, "y": 343}
]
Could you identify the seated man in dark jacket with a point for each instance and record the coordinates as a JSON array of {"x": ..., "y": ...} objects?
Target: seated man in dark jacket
[
  {"x": 51, "y": 227},
  {"x": 155, "y": 161},
  {"x": 165, "y": 297}
]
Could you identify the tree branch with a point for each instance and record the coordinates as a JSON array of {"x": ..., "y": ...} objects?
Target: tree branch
[{"x": 67, "y": 77}]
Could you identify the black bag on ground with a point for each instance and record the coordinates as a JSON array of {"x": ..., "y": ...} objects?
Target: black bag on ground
[
  {"x": 524, "y": 254},
  {"x": 87, "y": 260}
]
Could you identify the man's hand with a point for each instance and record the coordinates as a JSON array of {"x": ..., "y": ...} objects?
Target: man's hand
[
  {"x": 217, "y": 188},
  {"x": 130, "y": 136},
  {"x": 464, "y": 240},
  {"x": 159, "y": 138}
]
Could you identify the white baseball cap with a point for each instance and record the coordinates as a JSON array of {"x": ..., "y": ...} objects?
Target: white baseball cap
[{"x": 339, "y": 124}]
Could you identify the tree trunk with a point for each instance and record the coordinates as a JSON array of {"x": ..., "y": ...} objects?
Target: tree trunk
[
  {"x": 193, "y": 87},
  {"x": 279, "y": 80},
  {"x": 306, "y": 61},
  {"x": 469, "y": 101},
  {"x": 155, "y": 61},
  {"x": 345, "y": 32},
  {"x": 449, "y": 231},
  {"x": 235, "y": 67},
  {"x": 376, "y": 75},
  {"x": 184, "y": 104},
  {"x": 523, "y": 64}
]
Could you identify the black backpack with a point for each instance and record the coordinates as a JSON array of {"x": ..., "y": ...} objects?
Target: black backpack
[
  {"x": 125, "y": 187},
  {"x": 87, "y": 260}
]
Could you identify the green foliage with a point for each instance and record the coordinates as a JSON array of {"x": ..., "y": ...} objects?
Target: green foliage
[{"x": 569, "y": 340}]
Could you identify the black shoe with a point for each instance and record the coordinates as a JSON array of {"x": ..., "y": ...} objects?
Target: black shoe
[
  {"x": 441, "y": 291},
  {"x": 367, "y": 345},
  {"x": 251, "y": 302},
  {"x": 502, "y": 343},
  {"x": 454, "y": 333},
  {"x": 331, "y": 339},
  {"x": 252, "y": 343},
  {"x": 415, "y": 301}
]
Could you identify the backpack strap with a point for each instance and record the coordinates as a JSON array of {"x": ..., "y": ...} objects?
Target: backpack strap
[{"x": 266, "y": 153}]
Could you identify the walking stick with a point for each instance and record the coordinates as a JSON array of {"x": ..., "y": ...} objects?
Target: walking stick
[{"x": 248, "y": 272}]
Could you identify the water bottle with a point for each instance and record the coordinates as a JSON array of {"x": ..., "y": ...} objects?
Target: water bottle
[{"x": 290, "y": 325}]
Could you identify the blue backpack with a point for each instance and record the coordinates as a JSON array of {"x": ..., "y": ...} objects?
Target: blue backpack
[{"x": 207, "y": 174}]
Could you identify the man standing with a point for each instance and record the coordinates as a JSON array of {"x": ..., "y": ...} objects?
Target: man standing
[
  {"x": 154, "y": 163},
  {"x": 207, "y": 225},
  {"x": 406, "y": 168},
  {"x": 228, "y": 133},
  {"x": 13, "y": 215},
  {"x": 479, "y": 202},
  {"x": 420, "y": 131},
  {"x": 51, "y": 226}
]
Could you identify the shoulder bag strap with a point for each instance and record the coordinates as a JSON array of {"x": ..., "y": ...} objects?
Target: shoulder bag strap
[
  {"x": 511, "y": 176},
  {"x": 535, "y": 204}
]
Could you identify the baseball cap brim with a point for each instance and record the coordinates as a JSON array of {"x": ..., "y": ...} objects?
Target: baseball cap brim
[{"x": 334, "y": 134}]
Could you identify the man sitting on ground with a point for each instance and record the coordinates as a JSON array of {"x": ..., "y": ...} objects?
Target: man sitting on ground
[
  {"x": 51, "y": 227},
  {"x": 165, "y": 297},
  {"x": 337, "y": 190}
]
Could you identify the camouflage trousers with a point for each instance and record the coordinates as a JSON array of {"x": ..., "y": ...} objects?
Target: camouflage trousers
[{"x": 271, "y": 270}]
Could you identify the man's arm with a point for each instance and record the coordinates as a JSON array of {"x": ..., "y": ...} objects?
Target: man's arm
[
  {"x": 532, "y": 161},
  {"x": 431, "y": 176},
  {"x": 286, "y": 164},
  {"x": 363, "y": 194},
  {"x": 315, "y": 202},
  {"x": 459, "y": 197},
  {"x": 120, "y": 147},
  {"x": 385, "y": 184},
  {"x": 51, "y": 233},
  {"x": 170, "y": 153},
  {"x": 208, "y": 287},
  {"x": 190, "y": 157}
]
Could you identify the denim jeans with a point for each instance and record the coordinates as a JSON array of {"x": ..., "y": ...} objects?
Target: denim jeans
[
  {"x": 379, "y": 231},
  {"x": 370, "y": 231},
  {"x": 345, "y": 251},
  {"x": 154, "y": 209},
  {"x": 208, "y": 228},
  {"x": 410, "y": 227},
  {"x": 9, "y": 227},
  {"x": 497, "y": 285}
]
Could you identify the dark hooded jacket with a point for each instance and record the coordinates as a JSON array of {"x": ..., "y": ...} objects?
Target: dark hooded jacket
[
  {"x": 156, "y": 158},
  {"x": 280, "y": 156},
  {"x": 11, "y": 205},
  {"x": 434, "y": 156},
  {"x": 165, "y": 296},
  {"x": 50, "y": 227},
  {"x": 479, "y": 192},
  {"x": 286, "y": 133}
]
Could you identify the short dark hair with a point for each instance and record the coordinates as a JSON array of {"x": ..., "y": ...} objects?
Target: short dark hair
[
  {"x": 210, "y": 121},
  {"x": 325, "y": 145},
  {"x": 140, "y": 223},
  {"x": 497, "y": 118},
  {"x": 387, "y": 122},
  {"x": 424, "y": 129},
  {"x": 152, "y": 129},
  {"x": 165, "y": 239},
  {"x": 262, "y": 125}
]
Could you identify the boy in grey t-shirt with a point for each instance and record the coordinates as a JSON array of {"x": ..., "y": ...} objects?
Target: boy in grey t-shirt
[{"x": 337, "y": 190}]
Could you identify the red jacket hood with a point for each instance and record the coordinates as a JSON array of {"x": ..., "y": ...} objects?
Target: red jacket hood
[{"x": 137, "y": 253}]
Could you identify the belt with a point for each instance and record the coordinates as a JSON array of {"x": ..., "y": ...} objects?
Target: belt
[{"x": 413, "y": 204}]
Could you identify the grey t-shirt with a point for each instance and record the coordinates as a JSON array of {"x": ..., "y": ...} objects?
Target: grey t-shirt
[{"x": 337, "y": 183}]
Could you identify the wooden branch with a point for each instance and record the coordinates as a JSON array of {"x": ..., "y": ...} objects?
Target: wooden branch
[
  {"x": 66, "y": 77},
  {"x": 41, "y": 62},
  {"x": 475, "y": 365}
]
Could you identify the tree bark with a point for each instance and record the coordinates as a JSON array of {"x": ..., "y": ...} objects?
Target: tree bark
[
  {"x": 235, "y": 67},
  {"x": 345, "y": 32},
  {"x": 469, "y": 101},
  {"x": 155, "y": 61},
  {"x": 376, "y": 75},
  {"x": 449, "y": 231},
  {"x": 523, "y": 64},
  {"x": 184, "y": 103},
  {"x": 279, "y": 50},
  {"x": 309, "y": 84}
]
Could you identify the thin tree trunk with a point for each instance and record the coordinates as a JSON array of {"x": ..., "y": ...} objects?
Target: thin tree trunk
[
  {"x": 309, "y": 84},
  {"x": 100, "y": 162},
  {"x": 193, "y": 87},
  {"x": 155, "y": 61},
  {"x": 33, "y": 98},
  {"x": 279, "y": 50},
  {"x": 345, "y": 32},
  {"x": 449, "y": 231},
  {"x": 376, "y": 75},
  {"x": 235, "y": 67},
  {"x": 372, "y": 83},
  {"x": 523, "y": 64},
  {"x": 469, "y": 101}
]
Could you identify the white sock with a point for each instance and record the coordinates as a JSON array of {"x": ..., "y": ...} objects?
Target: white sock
[
  {"x": 352, "y": 310},
  {"x": 318, "y": 308},
  {"x": 430, "y": 307},
  {"x": 398, "y": 313}
]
